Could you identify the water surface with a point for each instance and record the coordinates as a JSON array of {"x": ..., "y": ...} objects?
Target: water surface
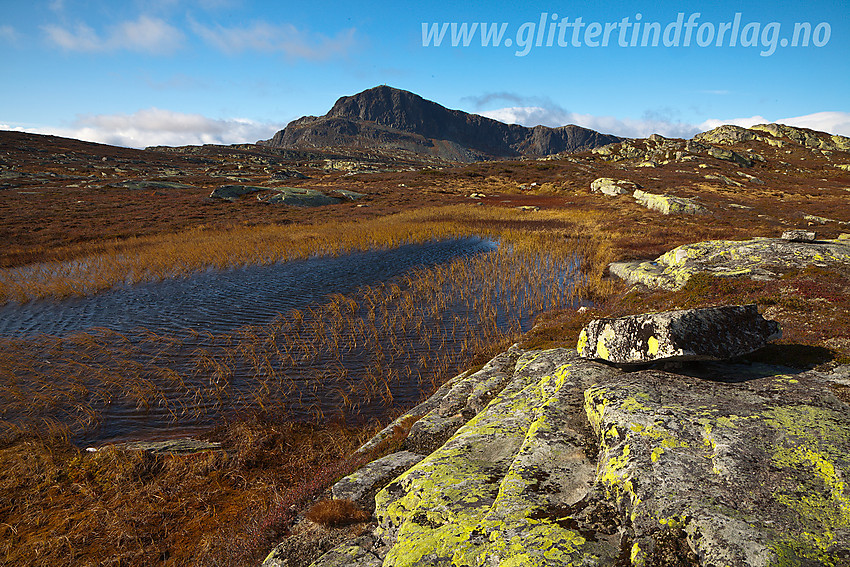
[{"x": 353, "y": 336}]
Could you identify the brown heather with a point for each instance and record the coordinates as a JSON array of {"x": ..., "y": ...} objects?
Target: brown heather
[{"x": 336, "y": 513}]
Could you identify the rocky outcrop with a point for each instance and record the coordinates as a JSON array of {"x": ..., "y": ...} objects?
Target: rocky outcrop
[
  {"x": 573, "y": 462},
  {"x": 294, "y": 196},
  {"x": 759, "y": 258},
  {"x": 727, "y": 134},
  {"x": 776, "y": 135},
  {"x": 391, "y": 118},
  {"x": 298, "y": 197},
  {"x": 613, "y": 187},
  {"x": 806, "y": 137},
  {"x": 233, "y": 192},
  {"x": 657, "y": 150},
  {"x": 667, "y": 204},
  {"x": 712, "y": 333},
  {"x": 282, "y": 174},
  {"x": 729, "y": 155}
]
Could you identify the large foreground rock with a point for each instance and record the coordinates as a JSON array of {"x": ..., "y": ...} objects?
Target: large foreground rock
[
  {"x": 751, "y": 474},
  {"x": 759, "y": 258},
  {"x": 712, "y": 333},
  {"x": 573, "y": 462}
]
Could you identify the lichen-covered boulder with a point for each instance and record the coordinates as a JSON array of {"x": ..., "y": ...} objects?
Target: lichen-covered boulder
[
  {"x": 712, "y": 333},
  {"x": 727, "y": 134},
  {"x": 667, "y": 204},
  {"x": 613, "y": 187},
  {"x": 729, "y": 155},
  {"x": 749, "y": 474},
  {"x": 759, "y": 258},
  {"x": 799, "y": 235},
  {"x": 494, "y": 492}
]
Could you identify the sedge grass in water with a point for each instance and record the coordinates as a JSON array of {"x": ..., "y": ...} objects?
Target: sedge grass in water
[{"x": 356, "y": 355}]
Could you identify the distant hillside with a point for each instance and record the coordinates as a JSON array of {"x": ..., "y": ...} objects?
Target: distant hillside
[{"x": 391, "y": 118}]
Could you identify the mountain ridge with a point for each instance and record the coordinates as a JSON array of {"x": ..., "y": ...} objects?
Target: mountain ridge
[{"x": 388, "y": 117}]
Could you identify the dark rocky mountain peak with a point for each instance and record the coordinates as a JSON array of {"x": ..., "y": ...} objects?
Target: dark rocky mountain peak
[{"x": 391, "y": 118}]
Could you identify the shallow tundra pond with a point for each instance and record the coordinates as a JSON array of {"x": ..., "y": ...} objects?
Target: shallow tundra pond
[{"x": 351, "y": 337}]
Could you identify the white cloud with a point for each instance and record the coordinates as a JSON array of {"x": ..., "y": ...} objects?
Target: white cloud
[
  {"x": 832, "y": 122},
  {"x": 283, "y": 38},
  {"x": 8, "y": 33},
  {"x": 627, "y": 127},
  {"x": 652, "y": 123},
  {"x": 158, "y": 127},
  {"x": 712, "y": 123},
  {"x": 145, "y": 34}
]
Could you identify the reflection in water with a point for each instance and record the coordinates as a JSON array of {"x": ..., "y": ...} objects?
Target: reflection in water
[{"x": 354, "y": 336}]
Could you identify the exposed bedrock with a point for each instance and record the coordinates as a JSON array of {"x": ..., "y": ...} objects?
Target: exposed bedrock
[{"x": 552, "y": 459}]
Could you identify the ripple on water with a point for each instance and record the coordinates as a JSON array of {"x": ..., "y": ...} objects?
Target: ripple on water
[{"x": 218, "y": 302}]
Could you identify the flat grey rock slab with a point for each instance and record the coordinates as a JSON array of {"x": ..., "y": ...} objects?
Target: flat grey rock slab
[{"x": 233, "y": 192}]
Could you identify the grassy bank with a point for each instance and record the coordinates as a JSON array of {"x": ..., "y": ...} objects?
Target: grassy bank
[{"x": 102, "y": 266}]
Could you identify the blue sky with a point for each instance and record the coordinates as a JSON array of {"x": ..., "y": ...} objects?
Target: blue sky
[{"x": 145, "y": 72}]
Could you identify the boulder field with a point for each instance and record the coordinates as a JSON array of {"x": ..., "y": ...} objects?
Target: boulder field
[{"x": 548, "y": 458}]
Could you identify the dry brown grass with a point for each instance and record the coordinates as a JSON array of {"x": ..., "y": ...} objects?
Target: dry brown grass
[
  {"x": 63, "y": 506},
  {"x": 336, "y": 513},
  {"x": 181, "y": 254}
]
